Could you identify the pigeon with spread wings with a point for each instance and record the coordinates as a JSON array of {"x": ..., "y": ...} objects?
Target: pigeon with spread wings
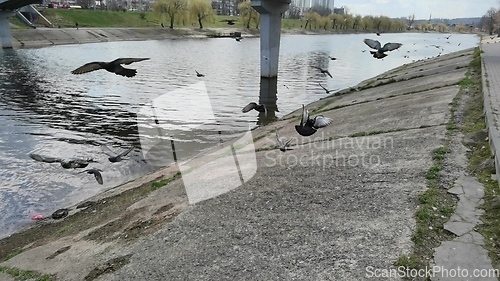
[
  {"x": 229, "y": 21},
  {"x": 115, "y": 157},
  {"x": 96, "y": 173},
  {"x": 282, "y": 144},
  {"x": 326, "y": 90},
  {"x": 254, "y": 105},
  {"x": 113, "y": 66},
  {"x": 324, "y": 71},
  {"x": 309, "y": 126},
  {"x": 380, "y": 53}
]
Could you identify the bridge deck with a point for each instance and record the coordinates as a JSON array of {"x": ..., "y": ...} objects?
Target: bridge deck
[{"x": 16, "y": 4}]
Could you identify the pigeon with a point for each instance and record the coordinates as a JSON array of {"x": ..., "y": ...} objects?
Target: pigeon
[
  {"x": 253, "y": 105},
  {"x": 380, "y": 53},
  {"x": 59, "y": 214},
  {"x": 281, "y": 143},
  {"x": 66, "y": 164},
  {"x": 326, "y": 90},
  {"x": 324, "y": 71},
  {"x": 96, "y": 173},
  {"x": 113, "y": 66},
  {"x": 113, "y": 157},
  {"x": 229, "y": 22},
  {"x": 199, "y": 74},
  {"x": 332, "y": 58},
  {"x": 46, "y": 159},
  {"x": 76, "y": 163},
  {"x": 309, "y": 126}
]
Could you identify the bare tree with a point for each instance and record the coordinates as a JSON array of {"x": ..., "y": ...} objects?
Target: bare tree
[
  {"x": 489, "y": 20},
  {"x": 294, "y": 12},
  {"x": 410, "y": 20}
]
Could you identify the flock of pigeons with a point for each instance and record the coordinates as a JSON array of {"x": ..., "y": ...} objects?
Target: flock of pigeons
[
  {"x": 83, "y": 163},
  {"x": 307, "y": 126},
  {"x": 113, "y": 157}
]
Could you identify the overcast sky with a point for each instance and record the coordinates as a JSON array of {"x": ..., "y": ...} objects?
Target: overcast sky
[{"x": 421, "y": 8}]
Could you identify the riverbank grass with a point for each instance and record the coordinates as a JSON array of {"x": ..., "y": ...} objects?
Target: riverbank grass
[{"x": 436, "y": 205}]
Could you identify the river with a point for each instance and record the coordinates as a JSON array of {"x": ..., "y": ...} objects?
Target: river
[{"x": 46, "y": 110}]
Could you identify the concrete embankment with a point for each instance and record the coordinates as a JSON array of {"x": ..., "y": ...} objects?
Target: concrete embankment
[
  {"x": 41, "y": 37},
  {"x": 338, "y": 206}
]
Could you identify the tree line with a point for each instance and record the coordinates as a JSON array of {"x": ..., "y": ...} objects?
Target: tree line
[{"x": 182, "y": 11}]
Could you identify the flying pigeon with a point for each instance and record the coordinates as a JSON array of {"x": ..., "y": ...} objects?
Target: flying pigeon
[
  {"x": 114, "y": 157},
  {"x": 326, "y": 90},
  {"x": 66, "y": 164},
  {"x": 380, "y": 53},
  {"x": 324, "y": 71},
  {"x": 113, "y": 66},
  {"x": 96, "y": 173},
  {"x": 253, "y": 105},
  {"x": 229, "y": 22},
  {"x": 282, "y": 145},
  {"x": 309, "y": 126}
]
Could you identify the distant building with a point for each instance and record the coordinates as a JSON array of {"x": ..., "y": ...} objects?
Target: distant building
[
  {"x": 304, "y": 5},
  {"x": 226, "y": 7},
  {"x": 339, "y": 11}
]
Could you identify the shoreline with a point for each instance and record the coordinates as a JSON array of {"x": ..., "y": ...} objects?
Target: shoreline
[{"x": 44, "y": 36}]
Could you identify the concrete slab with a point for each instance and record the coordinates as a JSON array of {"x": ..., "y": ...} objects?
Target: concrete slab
[
  {"x": 428, "y": 108},
  {"x": 396, "y": 89},
  {"x": 299, "y": 220},
  {"x": 462, "y": 261}
]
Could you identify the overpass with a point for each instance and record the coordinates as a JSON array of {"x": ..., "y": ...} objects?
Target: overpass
[
  {"x": 270, "y": 12},
  {"x": 7, "y": 9}
]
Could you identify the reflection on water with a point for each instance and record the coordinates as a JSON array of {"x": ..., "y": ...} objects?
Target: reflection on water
[
  {"x": 268, "y": 97},
  {"x": 46, "y": 110}
]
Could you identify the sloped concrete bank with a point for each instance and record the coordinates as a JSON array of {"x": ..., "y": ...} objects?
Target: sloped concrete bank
[
  {"x": 41, "y": 37},
  {"x": 339, "y": 206}
]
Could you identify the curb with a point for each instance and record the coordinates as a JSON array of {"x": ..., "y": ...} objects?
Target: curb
[{"x": 493, "y": 134}]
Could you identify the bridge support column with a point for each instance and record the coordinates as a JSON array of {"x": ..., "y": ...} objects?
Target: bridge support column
[
  {"x": 270, "y": 32},
  {"x": 5, "y": 36}
]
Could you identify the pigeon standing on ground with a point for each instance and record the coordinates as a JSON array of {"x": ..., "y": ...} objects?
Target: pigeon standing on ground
[
  {"x": 380, "y": 53},
  {"x": 282, "y": 145},
  {"x": 113, "y": 66},
  {"x": 253, "y": 105},
  {"x": 324, "y": 71},
  {"x": 59, "y": 214},
  {"x": 113, "y": 157},
  {"x": 96, "y": 173},
  {"x": 309, "y": 126}
]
